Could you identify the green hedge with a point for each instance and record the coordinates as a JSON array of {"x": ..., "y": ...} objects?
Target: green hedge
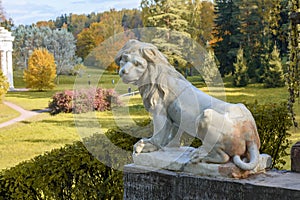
[
  {"x": 273, "y": 122},
  {"x": 72, "y": 172},
  {"x": 67, "y": 173}
]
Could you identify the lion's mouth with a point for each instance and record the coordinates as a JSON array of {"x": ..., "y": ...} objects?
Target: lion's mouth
[{"x": 127, "y": 81}]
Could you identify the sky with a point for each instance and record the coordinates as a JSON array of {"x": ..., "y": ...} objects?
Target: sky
[{"x": 30, "y": 11}]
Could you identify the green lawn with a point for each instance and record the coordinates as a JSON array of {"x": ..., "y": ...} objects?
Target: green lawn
[
  {"x": 34, "y": 136},
  {"x": 42, "y": 133},
  {"x": 7, "y": 113}
]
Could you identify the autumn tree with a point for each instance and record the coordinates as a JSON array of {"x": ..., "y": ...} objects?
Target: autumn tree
[
  {"x": 78, "y": 23},
  {"x": 88, "y": 39},
  {"x": 49, "y": 24},
  {"x": 207, "y": 17},
  {"x": 41, "y": 70},
  {"x": 3, "y": 85}
]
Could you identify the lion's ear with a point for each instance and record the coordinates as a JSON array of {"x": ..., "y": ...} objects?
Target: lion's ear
[
  {"x": 148, "y": 53},
  {"x": 118, "y": 58}
]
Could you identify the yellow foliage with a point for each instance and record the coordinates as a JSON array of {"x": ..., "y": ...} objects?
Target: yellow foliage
[
  {"x": 41, "y": 70},
  {"x": 3, "y": 85}
]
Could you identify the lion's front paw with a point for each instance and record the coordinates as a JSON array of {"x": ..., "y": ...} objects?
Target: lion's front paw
[
  {"x": 144, "y": 146},
  {"x": 198, "y": 155}
]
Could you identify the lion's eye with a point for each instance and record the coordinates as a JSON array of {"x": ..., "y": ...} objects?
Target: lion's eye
[
  {"x": 125, "y": 57},
  {"x": 135, "y": 62},
  {"x": 122, "y": 62}
]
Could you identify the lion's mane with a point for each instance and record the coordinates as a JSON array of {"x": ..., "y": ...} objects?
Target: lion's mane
[{"x": 153, "y": 84}]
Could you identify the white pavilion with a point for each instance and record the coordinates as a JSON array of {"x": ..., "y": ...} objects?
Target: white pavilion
[{"x": 6, "y": 48}]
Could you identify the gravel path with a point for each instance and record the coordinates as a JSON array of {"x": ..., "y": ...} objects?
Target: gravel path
[{"x": 24, "y": 114}]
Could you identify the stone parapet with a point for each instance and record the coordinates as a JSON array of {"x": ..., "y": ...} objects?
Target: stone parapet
[{"x": 142, "y": 182}]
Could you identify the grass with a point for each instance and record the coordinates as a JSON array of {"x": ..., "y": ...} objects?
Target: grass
[
  {"x": 27, "y": 139},
  {"x": 39, "y": 134},
  {"x": 7, "y": 113}
]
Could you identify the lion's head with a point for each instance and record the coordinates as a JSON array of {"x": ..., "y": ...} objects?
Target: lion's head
[{"x": 142, "y": 64}]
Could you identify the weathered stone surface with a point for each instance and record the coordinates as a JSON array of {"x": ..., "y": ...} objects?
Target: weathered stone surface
[
  {"x": 295, "y": 157},
  {"x": 178, "y": 159},
  {"x": 149, "y": 183}
]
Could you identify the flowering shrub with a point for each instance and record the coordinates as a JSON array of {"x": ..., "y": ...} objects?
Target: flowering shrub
[
  {"x": 61, "y": 102},
  {"x": 84, "y": 100}
]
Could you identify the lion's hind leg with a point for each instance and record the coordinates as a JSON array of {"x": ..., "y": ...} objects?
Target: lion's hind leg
[
  {"x": 211, "y": 126},
  {"x": 216, "y": 155}
]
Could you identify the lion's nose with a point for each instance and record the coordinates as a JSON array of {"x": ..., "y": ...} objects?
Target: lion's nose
[{"x": 123, "y": 71}]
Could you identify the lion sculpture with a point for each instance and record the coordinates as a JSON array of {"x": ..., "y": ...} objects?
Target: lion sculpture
[{"x": 228, "y": 131}]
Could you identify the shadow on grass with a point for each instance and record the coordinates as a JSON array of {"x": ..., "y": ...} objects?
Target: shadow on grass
[
  {"x": 32, "y": 94},
  {"x": 57, "y": 141},
  {"x": 66, "y": 123},
  {"x": 26, "y": 122}
]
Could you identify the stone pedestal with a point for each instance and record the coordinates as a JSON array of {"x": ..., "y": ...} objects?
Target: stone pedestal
[
  {"x": 177, "y": 159},
  {"x": 145, "y": 183},
  {"x": 295, "y": 157}
]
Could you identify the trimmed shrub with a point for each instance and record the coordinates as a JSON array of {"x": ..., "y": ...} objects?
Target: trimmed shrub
[
  {"x": 61, "y": 102},
  {"x": 67, "y": 173},
  {"x": 84, "y": 100}
]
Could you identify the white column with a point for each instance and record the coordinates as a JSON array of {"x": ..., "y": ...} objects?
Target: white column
[
  {"x": 9, "y": 69},
  {"x": 3, "y": 63}
]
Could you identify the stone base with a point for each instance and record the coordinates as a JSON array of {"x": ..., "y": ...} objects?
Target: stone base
[
  {"x": 177, "y": 159},
  {"x": 295, "y": 157},
  {"x": 142, "y": 182}
]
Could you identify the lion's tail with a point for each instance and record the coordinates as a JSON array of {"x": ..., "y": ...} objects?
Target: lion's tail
[{"x": 254, "y": 158}]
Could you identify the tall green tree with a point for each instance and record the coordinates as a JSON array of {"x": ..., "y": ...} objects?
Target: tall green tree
[
  {"x": 293, "y": 72},
  {"x": 209, "y": 69},
  {"x": 254, "y": 38},
  {"x": 170, "y": 17},
  {"x": 240, "y": 77},
  {"x": 274, "y": 73},
  {"x": 165, "y": 14},
  {"x": 283, "y": 35},
  {"x": 194, "y": 18},
  {"x": 133, "y": 20},
  {"x": 227, "y": 31}
]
